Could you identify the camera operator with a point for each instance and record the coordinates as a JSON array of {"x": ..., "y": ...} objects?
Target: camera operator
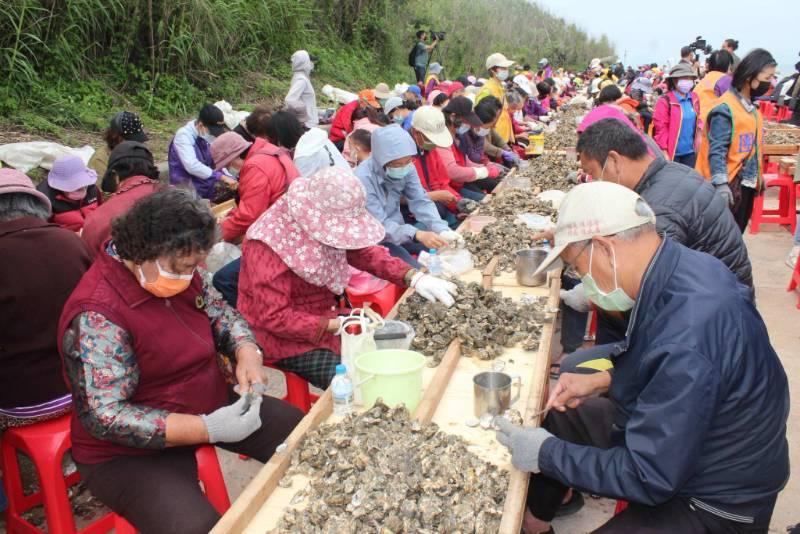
[
  {"x": 421, "y": 54},
  {"x": 689, "y": 57},
  {"x": 731, "y": 45}
]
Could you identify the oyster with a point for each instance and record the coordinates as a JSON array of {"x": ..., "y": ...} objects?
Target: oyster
[
  {"x": 566, "y": 133},
  {"x": 492, "y": 323},
  {"x": 550, "y": 171},
  {"x": 782, "y": 137},
  {"x": 502, "y": 238},
  {"x": 416, "y": 479}
]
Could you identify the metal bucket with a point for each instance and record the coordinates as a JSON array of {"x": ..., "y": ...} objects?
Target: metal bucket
[{"x": 527, "y": 261}]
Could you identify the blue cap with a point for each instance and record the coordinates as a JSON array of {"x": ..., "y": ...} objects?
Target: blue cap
[
  {"x": 341, "y": 369},
  {"x": 415, "y": 89}
]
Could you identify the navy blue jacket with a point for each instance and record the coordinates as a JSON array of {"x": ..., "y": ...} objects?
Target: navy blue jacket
[{"x": 701, "y": 398}]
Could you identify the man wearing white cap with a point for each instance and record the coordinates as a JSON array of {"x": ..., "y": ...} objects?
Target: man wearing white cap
[
  {"x": 693, "y": 432},
  {"x": 498, "y": 66}
]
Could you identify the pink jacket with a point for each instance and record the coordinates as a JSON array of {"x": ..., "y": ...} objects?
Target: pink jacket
[
  {"x": 667, "y": 120},
  {"x": 457, "y": 173}
]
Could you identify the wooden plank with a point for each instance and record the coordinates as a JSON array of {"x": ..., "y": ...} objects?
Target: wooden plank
[
  {"x": 259, "y": 489},
  {"x": 436, "y": 388},
  {"x": 781, "y": 150},
  {"x": 514, "y": 507},
  {"x": 222, "y": 209}
]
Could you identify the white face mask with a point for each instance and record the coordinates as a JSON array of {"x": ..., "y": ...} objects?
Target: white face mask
[
  {"x": 208, "y": 138},
  {"x": 518, "y": 116},
  {"x": 483, "y": 132},
  {"x": 461, "y": 130},
  {"x": 398, "y": 173},
  {"x": 502, "y": 75}
]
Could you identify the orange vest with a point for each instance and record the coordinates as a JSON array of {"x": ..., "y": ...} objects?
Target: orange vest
[
  {"x": 705, "y": 92},
  {"x": 746, "y": 138}
]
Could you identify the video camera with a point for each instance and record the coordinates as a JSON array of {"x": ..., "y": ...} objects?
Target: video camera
[
  {"x": 700, "y": 45},
  {"x": 439, "y": 36}
]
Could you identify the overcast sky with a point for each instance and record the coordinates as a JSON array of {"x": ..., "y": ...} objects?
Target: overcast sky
[{"x": 656, "y": 31}]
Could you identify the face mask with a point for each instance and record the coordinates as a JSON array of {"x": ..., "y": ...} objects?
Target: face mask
[
  {"x": 398, "y": 119},
  {"x": 427, "y": 146},
  {"x": 518, "y": 116},
  {"x": 80, "y": 194},
  {"x": 483, "y": 132},
  {"x": 684, "y": 86},
  {"x": 167, "y": 284},
  {"x": 761, "y": 90},
  {"x": 616, "y": 300},
  {"x": 603, "y": 172},
  {"x": 461, "y": 130},
  {"x": 208, "y": 138},
  {"x": 232, "y": 172},
  {"x": 398, "y": 173},
  {"x": 502, "y": 75}
]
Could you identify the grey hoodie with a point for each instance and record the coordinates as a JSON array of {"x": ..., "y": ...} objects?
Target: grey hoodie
[
  {"x": 383, "y": 193},
  {"x": 301, "y": 92}
]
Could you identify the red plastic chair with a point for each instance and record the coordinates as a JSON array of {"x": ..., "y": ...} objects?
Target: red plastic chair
[
  {"x": 768, "y": 110},
  {"x": 787, "y": 204},
  {"x": 794, "y": 282},
  {"x": 298, "y": 393},
  {"x": 381, "y": 301},
  {"x": 45, "y": 444},
  {"x": 783, "y": 113}
]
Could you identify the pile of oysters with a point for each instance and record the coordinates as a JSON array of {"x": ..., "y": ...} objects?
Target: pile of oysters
[
  {"x": 551, "y": 170},
  {"x": 382, "y": 472},
  {"x": 482, "y": 319}
]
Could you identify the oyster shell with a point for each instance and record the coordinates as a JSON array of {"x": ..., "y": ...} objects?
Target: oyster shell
[{"x": 416, "y": 479}]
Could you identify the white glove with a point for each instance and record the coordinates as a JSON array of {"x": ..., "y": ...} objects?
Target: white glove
[
  {"x": 544, "y": 118},
  {"x": 435, "y": 289},
  {"x": 481, "y": 172},
  {"x": 452, "y": 237},
  {"x": 576, "y": 299}
]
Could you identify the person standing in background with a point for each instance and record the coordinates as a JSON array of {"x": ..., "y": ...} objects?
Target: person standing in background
[
  {"x": 676, "y": 127},
  {"x": 422, "y": 54},
  {"x": 301, "y": 92},
  {"x": 731, "y": 45}
]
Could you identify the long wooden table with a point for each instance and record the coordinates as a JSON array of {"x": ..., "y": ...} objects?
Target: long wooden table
[{"x": 447, "y": 400}]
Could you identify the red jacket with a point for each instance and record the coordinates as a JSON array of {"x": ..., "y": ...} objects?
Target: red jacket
[
  {"x": 267, "y": 172},
  {"x": 342, "y": 122},
  {"x": 172, "y": 340},
  {"x": 288, "y": 315},
  {"x": 433, "y": 174},
  {"x": 97, "y": 226},
  {"x": 67, "y": 213}
]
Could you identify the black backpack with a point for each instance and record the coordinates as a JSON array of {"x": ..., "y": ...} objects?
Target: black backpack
[{"x": 412, "y": 56}]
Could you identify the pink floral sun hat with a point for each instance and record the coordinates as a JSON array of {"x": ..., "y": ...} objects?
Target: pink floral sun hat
[{"x": 315, "y": 223}]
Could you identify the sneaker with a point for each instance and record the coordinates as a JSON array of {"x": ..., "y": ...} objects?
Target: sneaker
[{"x": 791, "y": 259}]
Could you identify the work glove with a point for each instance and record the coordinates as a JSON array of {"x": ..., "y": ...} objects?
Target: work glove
[
  {"x": 466, "y": 205},
  {"x": 452, "y": 237},
  {"x": 725, "y": 192},
  {"x": 572, "y": 177},
  {"x": 544, "y": 118},
  {"x": 510, "y": 158},
  {"x": 523, "y": 443},
  {"x": 236, "y": 421},
  {"x": 576, "y": 299},
  {"x": 435, "y": 289}
]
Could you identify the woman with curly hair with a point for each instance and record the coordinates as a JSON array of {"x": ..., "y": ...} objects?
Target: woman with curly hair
[{"x": 139, "y": 337}]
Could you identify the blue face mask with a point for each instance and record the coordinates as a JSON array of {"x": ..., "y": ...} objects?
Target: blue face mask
[
  {"x": 398, "y": 119},
  {"x": 616, "y": 300},
  {"x": 398, "y": 173},
  {"x": 461, "y": 130}
]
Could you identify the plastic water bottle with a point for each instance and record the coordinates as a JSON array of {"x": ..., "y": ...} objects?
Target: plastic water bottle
[
  {"x": 546, "y": 245},
  {"x": 342, "y": 389},
  {"x": 434, "y": 263}
]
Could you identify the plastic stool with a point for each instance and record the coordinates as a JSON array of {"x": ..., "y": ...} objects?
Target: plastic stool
[
  {"x": 767, "y": 109},
  {"x": 298, "y": 393},
  {"x": 381, "y": 301},
  {"x": 45, "y": 444},
  {"x": 783, "y": 113},
  {"x": 794, "y": 282},
  {"x": 786, "y": 212}
]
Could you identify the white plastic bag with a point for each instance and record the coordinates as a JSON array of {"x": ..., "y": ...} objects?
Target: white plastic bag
[
  {"x": 358, "y": 336},
  {"x": 26, "y": 156},
  {"x": 554, "y": 196},
  {"x": 536, "y": 222},
  {"x": 221, "y": 255},
  {"x": 232, "y": 117}
]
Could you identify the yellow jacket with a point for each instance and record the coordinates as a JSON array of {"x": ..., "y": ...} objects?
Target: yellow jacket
[{"x": 503, "y": 127}]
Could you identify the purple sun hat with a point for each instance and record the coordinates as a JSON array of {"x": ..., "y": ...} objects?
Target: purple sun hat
[{"x": 69, "y": 173}]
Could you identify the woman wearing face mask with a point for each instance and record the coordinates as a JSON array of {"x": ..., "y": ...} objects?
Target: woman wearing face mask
[
  {"x": 677, "y": 127},
  {"x": 390, "y": 175},
  {"x": 399, "y": 111},
  {"x": 190, "y": 161},
  {"x": 72, "y": 190},
  {"x": 296, "y": 261},
  {"x": 143, "y": 320},
  {"x": 730, "y": 152},
  {"x": 363, "y": 119},
  {"x": 498, "y": 67}
]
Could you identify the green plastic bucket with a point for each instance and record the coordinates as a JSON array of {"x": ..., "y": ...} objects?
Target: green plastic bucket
[{"x": 393, "y": 375}]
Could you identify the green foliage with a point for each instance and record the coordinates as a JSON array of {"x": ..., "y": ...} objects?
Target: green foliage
[{"x": 71, "y": 63}]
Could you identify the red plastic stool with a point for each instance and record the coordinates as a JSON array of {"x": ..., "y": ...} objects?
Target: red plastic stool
[
  {"x": 787, "y": 204},
  {"x": 783, "y": 113},
  {"x": 381, "y": 301},
  {"x": 298, "y": 393},
  {"x": 767, "y": 109},
  {"x": 45, "y": 444},
  {"x": 794, "y": 282}
]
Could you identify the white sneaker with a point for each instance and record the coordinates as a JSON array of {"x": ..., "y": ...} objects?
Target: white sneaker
[{"x": 791, "y": 259}]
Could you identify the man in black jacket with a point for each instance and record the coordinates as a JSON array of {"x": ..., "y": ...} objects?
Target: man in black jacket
[{"x": 693, "y": 432}]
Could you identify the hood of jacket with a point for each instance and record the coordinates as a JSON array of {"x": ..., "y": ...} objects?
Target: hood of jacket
[
  {"x": 390, "y": 143},
  {"x": 301, "y": 62}
]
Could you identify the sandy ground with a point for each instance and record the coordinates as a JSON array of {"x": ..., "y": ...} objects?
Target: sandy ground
[{"x": 768, "y": 250}]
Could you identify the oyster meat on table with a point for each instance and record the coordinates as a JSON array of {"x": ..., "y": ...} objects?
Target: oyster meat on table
[
  {"x": 382, "y": 472},
  {"x": 482, "y": 319}
]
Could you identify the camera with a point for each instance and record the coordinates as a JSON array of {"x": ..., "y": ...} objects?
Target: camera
[
  {"x": 439, "y": 36},
  {"x": 700, "y": 45}
]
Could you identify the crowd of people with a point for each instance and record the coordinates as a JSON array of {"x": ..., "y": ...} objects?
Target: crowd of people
[{"x": 118, "y": 322}]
